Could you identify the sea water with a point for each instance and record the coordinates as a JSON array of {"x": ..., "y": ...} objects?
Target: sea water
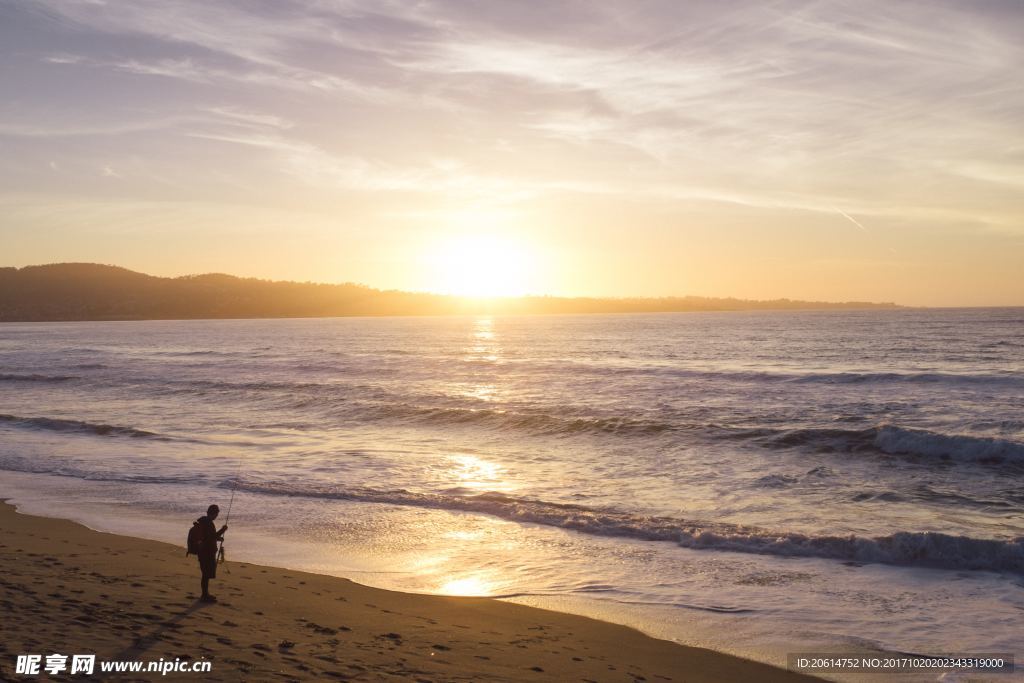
[{"x": 760, "y": 483}]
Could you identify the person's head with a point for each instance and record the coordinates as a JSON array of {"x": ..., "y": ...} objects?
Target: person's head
[{"x": 212, "y": 512}]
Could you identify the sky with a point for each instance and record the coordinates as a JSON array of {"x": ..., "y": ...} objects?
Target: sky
[{"x": 832, "y": 150}]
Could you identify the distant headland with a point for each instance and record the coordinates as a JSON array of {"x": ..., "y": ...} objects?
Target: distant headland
[{"x": 90, "y": 291}]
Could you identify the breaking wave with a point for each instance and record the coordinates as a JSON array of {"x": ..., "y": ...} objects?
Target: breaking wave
[
  {"x": 63, "y": 425},
  {"x": 893, "y": 440},
  {"x": 954, "y": 446},
  {"x": 919, "y": 549}
]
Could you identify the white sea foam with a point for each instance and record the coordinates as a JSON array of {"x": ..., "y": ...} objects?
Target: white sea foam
[{"x": 937, "y": 550}]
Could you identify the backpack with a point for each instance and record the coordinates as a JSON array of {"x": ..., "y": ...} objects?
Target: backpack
[{"x": 195, "y": 539}]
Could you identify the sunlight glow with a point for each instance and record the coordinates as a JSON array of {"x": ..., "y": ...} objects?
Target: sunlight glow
[{"x": 483, "y": 266}]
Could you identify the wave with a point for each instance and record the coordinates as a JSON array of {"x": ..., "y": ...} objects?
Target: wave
[
  {"x": 909, "y": 377},
  {"x": 776, "y": 481},
  {"x": 570, "y": 370},
  {"x": 34, "y": 377},
  {"x": 540, "y": 423},
  {"x": 13, "y": 463},
  {"x": 343, "y": 403},
  {"x": 790, "y": 377},
  {"x": 371, "y": 403},
  {"x": 64, "y": 425},
  {"x": 196, "y": 352},
  {"x": 890, "y": 439},
  {"x": 1004, "y": 342},
  {"x": 936, "y": 494},
  {"x": 919, "y": 549}
]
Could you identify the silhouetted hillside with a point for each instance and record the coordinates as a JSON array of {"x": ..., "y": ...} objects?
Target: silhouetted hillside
[{"x": 88, "y": 291}]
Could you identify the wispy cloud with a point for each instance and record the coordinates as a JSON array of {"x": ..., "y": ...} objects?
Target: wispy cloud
[
  {"x": 764, "y": 86},
  {"x": 902, "y": 113},
  {"x": 30, "y": 130},
  {"x": 316, "y": 166}
]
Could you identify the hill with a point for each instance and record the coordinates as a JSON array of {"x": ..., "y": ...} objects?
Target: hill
[{"x": 89, "y": 291}]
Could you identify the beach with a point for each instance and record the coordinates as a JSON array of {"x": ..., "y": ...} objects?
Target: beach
[{"x": 71, "y": 590}]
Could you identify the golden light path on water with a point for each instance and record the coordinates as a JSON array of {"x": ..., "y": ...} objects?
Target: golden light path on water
[
  {"x": 471, "y": 473},
  {"x": 484, "y": 344},
  {"x": 448, "y": 572},
  {"x": 482, "y": 347}
]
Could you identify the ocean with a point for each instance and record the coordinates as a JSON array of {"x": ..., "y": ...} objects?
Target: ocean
[{"x": 759, "y": 483}]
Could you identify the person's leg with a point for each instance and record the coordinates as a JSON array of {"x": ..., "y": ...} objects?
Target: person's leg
[{"x": 208, "y": 565}]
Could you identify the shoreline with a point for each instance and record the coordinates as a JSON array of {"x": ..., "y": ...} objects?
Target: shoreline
[{"x": 69, "y": 589}]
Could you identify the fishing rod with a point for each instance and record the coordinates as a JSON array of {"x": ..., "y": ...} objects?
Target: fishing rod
[{"x": 227, "y": 518}]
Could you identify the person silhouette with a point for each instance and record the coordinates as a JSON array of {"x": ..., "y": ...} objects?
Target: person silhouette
[{"x": 208, "y": 549}]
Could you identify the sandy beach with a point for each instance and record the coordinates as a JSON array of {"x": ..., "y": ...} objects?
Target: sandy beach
[{"x": 70, "y": 590}]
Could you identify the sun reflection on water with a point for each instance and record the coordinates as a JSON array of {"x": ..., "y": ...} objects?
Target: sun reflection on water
[
  {"x": 481, "y": 392},
  {"x": 473, "y": 472},
  {"x": 482, "y": 347},
  {"x": 466, "y": 586},
  {"x": 484, "y": 328},
  {"x": 483, "y": 343}
]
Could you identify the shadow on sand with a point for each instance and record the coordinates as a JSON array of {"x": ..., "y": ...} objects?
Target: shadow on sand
[{"x": 143, "y": 643}]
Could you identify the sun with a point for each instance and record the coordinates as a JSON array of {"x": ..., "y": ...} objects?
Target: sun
[{"x": 482, "y": 266}]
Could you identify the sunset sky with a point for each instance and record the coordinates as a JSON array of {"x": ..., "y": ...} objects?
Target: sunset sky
[{"x": 817, "y": 150}]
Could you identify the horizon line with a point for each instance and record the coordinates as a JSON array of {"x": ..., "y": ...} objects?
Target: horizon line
[
  {"x": 499, "y": 298},
  {"x": 481, "y": 299}
]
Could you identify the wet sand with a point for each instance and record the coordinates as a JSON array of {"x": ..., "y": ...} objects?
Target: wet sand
[{"x": 70, "y": 590}]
